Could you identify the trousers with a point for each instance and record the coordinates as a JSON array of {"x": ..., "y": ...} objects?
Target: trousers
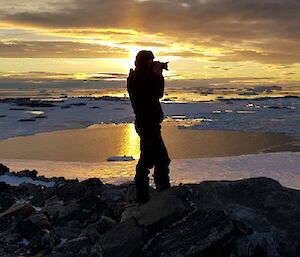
[{"x": 153, "y": 153}]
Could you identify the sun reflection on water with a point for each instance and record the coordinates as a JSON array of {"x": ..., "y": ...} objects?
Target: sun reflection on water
[{"x": 131, "y": 143}]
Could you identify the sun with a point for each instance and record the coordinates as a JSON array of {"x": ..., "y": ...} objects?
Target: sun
[{"x": 133, "y": 50}]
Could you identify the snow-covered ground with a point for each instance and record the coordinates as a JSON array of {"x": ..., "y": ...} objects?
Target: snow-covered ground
[
  {"x": 15, "y": 181},
  {"x": 278, "y": 115},
  {"x": 283, "y": 166}
]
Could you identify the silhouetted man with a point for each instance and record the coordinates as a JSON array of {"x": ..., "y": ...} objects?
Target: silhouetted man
[{"x": 145, "y": 86}]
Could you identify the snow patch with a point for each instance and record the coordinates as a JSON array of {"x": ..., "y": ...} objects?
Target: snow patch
[{"x": 15, "y": 181}]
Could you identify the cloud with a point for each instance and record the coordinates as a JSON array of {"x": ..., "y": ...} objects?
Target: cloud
[
  {"x": 42, "y": 76},
  {"x": 144, "y": 44},
  {"x": 260, "y": 56},
  {"x": 107, "y": 76},
  {"x": 58, "y": 49},
  {"x": 184, "y": 54},
  {"x": 245, "y": 29},
  {"x": 61, "y": 80}
]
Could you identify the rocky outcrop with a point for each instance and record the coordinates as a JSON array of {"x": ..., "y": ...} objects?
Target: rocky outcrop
[
  {"x": 3, "y": 169},
  {"x": 251, "y": 217},
  {"x": 19, "y": 210},
  {"x": 246, "y": 218}
]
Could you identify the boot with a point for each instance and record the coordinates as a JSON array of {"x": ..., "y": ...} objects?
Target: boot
[
  {"x": 142, "y": 186},
  {"x": 161, "y": 178}
]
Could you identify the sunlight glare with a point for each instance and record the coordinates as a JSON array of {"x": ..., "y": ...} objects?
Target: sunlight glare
[
  {"x": 133, "y": 50},
  {"x": 131, "y": 144}
]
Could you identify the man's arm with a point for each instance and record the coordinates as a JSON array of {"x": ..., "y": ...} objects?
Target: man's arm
[
  {"x": 159, "y": 81},
  {"x": 159, "y": 85}
]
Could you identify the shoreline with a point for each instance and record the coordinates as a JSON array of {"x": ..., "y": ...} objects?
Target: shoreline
[
  {"x": 29, "y": 117},
  {"x": 281, "y": 166},
  {"x": 93, "y": 218}
]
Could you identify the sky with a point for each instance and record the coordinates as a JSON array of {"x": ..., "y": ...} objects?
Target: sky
[{"x": 215, "y": 42}]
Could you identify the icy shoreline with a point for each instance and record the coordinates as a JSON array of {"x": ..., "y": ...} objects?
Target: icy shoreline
[
  {"x": 282, "y": 166},
  {"x": 28, "y": 117}
]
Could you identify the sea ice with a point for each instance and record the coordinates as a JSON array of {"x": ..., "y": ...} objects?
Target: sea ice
[
  {"x": 120, "y": 158},
  {"x": 278, "y": 115}
]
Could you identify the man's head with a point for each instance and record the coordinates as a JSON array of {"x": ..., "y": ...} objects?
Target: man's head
[{"x": 144, "y": 59}]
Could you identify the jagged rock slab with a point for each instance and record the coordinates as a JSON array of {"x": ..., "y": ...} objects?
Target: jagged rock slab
[
  {"x": 201, "y": 233},
  {"x": 122, "y": 240},
  {"x": 22, "y": 210},
  {"x": 163, "y": 209}
]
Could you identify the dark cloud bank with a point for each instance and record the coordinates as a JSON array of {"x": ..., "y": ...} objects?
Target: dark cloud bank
[{"x": 266, "y": 31}]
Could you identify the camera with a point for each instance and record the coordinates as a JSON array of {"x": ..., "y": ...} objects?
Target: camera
[{"x": 164, "y": 65}]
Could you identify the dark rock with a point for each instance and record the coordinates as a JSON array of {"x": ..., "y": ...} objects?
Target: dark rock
[
  {"x": 262, "y": 204},
  {"x": 256, "y": 245},
  {"x": 68, "y": 106},
  {"x": 27, "y": 173},
  {"x": 104, "y": 224},
  {"x": 73, "y": 248},
  {"x": 18, "y": 210},
  {"x": 115, "y": 210},
  {"x": 74, "y": 224},
  {"x": 41, "y": 117},
  {"x": 3, "y": 169},
  {"x": 70, "y": 191},
  {"x": 17, "y": 109},
  {"x": 91, "y": 233},
  {"x": 67, "y": 232},
  {"x": 124, "y": 238},
  {"x": 42, "y": 195},
  {"x": 163, "y": 209},
  {"x": 254, "y": 217},
  {"x": 130, "y": 193},
  {"x": 111, "y": 98},
  {"x": 113, "y": 193},
  {"x": 37, "y": 195},
  {"x": 33, "y": 228},
  {"x": 28, "y": 191},
  {"x": 94, "y": 183},
  {"x": 5, "y": 187},
  {"x": 40, "y": 220},
  {"x": 6, "y": 201},
  {"x": 37, "y": 244},
  {"x": 49, "y": 240},
  {"x": 27, "y": 229},
  {"x": 78, "y": 104},
  {"x": 25, "y": 120},
  {"x": 62, "y": 212},
  {"x": 9, "y": 244},
  {"x": 248, "y": 217},
  {"x": 202, "y": 233},
  {"x": 92, "y": 201},
  {"x": 33, "y": 103},
  {"x": 92, "y": 186}
]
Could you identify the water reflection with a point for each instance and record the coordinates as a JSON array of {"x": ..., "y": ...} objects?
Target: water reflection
[
  {"x": 98, "y": 142},
  {"x": 131, "y": 143}
]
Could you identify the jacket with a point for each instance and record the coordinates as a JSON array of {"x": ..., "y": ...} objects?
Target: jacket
[{"x": 145, "y": 89}]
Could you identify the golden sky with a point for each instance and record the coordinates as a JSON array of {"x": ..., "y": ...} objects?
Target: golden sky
[{"x": 229, "y": 41}]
